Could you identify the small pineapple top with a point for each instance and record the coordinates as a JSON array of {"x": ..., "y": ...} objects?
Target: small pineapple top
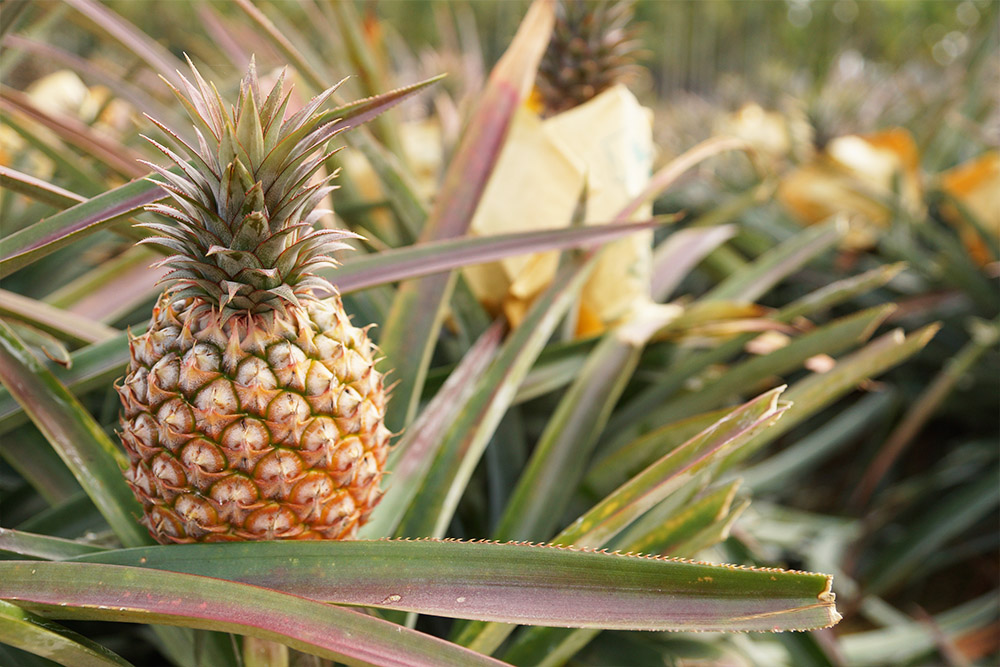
[
  {"x": 592, "y": 48},
  {"x": 244, "y": 205}
]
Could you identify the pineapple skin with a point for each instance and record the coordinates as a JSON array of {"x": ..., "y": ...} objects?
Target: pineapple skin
[{"x": 263, "y": 426}]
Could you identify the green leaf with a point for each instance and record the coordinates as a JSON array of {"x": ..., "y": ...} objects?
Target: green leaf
[
  {"x": 85, "y": 591},
  {"x": 40, "y": 636},
  {"x": 37, "y": 189},
  {"x": 771, "y": 267},
  {"x": 672, "y": 472},
  {"x": 829, "y": 339},
  {"x": 411, "y": 458},
  {"x": 560, "y": 457},
  {"x": 362, "y": 272},
  {"x": 73, "y": 328},
  {"x": 434, "y": 506},
  {"x": 411, "y": 332},
  {"x": 92, "y": 367},
  {"x": 819, "y": 390},
  {"x": 43, "y": 547},
  {"x": 81, "y": 443},
  {"x": 512, "y": 582},
  {"x": 46, "y": 236}
]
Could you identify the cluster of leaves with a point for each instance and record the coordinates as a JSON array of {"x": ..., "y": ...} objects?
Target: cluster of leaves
[{"x": 646, "y": 439}]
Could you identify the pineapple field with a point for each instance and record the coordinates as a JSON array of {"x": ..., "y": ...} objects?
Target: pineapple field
[{"x": 529, "y": 332}]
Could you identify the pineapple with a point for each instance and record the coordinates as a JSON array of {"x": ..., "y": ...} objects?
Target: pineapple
[
  {"x": 592, "y": 48},
  {"x": 251, "y": 408}
]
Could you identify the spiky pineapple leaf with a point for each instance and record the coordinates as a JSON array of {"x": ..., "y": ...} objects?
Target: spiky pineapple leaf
[
  {"x": 411, "y": 458},
  {"x": 73, "y": 433},
  {"x": 509, "y": 582},
  {"x": 699, "y": 456},
  {"x": 86, "y": 591},
  {"x": 361, "y": 272},
  {"x": 43, "y": 547},
  {"x": 29, "y": 632},
  {"x": 46, "y": 236},
  {"x": 37, "y": 189},
  {"x": 411, "y": 332}
]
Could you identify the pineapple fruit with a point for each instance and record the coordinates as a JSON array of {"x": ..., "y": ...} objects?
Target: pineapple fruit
[
  {"x": 251, "y": 408},
  {"x": 593, "y": 47}
]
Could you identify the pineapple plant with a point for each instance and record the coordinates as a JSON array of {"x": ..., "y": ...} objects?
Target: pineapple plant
[{"x": 251, "y": 409}]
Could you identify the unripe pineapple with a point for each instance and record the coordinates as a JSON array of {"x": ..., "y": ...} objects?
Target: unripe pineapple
[
  {"x": 251, "y": 409},
  {"x": 593, "y": 47}
]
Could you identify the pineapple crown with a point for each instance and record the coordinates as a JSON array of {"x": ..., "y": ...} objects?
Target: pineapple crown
[
  {"x": 243, "y": 202},
  {"x": 592, "y": 48}
]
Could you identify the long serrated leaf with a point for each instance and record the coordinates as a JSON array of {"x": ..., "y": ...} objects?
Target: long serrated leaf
[
  {"x": 92, "y": 366},
  {"x": 614, "y": 469},
  {"x": 818, "y": 390},
  {"x": 434, "y": 506},
  {"x": 28, "y": 632},
  {"x": 159, "y": 59},
  {"x": 37, "y": 189},
  {"x": 680, "y": 253},
  {"x": 43, "y": 547},
  {"x": 411, "y": 332},
  {"x": 68, "y": 590},
  {"x": 704, "y": 521},
  {"x": 62, "y": 324},
  {"x": 667, "y": 475},
  {"x": 777, "y": 263},
  {"x": 81, "y": 443},
  {"x": 411, "y": 457},
  {"x": 46, "y": 236},
  {"x": 357, "y": 273},
  {"x": 78, "y": 134},
  {"x": 831, "y": 339},
  {"x": 559, "y": 459},
  {"x": 511, "y": 582},
  {"x": 726, "y": 437}
]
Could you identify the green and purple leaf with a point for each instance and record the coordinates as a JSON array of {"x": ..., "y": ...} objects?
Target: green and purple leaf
[
  {"x": 506, "y": 582},
  {"x": 85, "y": 591}
]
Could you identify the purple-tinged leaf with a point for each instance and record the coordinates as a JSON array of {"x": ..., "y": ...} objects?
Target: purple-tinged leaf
[
  {"x": 37, "y": 189},
  {"x": 681, "y": 252},
  {"x": 85, "y": 591},
  {"x": 34, "y": 634},
  {"x": 506, "y": 582},
  {"x": 78, "y": 134},
  {"x": 81, "y": 443},
  {"x": 412, "y": 456},
  {"x": 411, "y": 332},
  {"x": 60, "y": 323},
  {"x": 360, "y": 112},
  {"x": 361, "y": 272},
  {"x": 50, "y": 234},
  {"x": 159, "y": 59}
]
